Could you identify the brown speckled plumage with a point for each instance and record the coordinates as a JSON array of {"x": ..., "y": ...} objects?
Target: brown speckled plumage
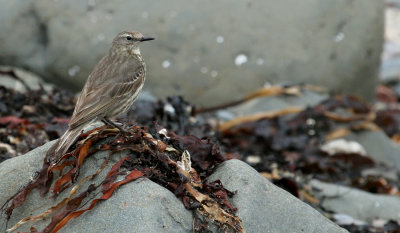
[{"x": 111, "y": 88}]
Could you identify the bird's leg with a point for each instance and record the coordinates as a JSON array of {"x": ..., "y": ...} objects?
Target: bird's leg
[{"x": 109, "y": 122}]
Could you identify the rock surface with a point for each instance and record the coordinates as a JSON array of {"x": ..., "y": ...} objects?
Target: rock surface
[
  {"x": 273, "y": 103},
  {"x": 356, "y": 203},
  {"x": 379, "y": 146},
  {"x": 202, "y": 52},
  {"x": 144, "y": 206},
  {"x": 390, "y": 68},
  {"x": 263, "y": 207},
  {"x": 33, "y": 81}
]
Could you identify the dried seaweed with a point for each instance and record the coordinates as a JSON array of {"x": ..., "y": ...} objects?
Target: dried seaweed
[
  {"x": 177, "y": 163},
  {"x": 30, "y": 119},
  {"x": 276, "y": 138},
  {"x": 285, "y": 144}
]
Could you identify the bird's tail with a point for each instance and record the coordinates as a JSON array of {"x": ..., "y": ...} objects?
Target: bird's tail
[{"x": 61, "y": 146}]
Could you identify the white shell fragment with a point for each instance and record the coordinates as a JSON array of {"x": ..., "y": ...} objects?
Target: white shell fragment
[{"x": 343, "y": 146}]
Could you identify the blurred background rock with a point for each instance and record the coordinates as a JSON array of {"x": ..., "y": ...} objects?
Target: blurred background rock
[{"x": 208, "y": 51}]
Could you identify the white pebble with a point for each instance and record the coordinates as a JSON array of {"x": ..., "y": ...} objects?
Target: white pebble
[
  {"x": 339, "y": 37},
  {"x": 310, "y": 121},
  {"x": 166, "y": 64},
  {"x": 378, "y": 222},
  {"x": 253, "y": 159},
  {"x": 343, "y": 146},
  {"x": 169, "y": 108},
  {"x": 220, "y": 39},
  {"x": 343, "y": 219},
  {"x": 240, "y": 59}
]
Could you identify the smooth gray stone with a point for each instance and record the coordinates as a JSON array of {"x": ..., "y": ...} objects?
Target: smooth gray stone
[
  {"x": 207, "y": 54},
  {"x": 264, "y": 207},
  {"x": 356, "y": 203},
  {"x": 390, "y": 69},
  {"x": 33, "y": 81},
  {"x": 379, "y": 146},
  {"x": 273, "y": 103}
]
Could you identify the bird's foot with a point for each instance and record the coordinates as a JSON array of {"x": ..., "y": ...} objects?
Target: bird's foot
[{"x": 121, "y": 129}]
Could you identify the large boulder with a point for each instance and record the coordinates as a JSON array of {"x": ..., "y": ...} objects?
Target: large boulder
[
  {"x": 202, "y": 51},
  {"x": 264, "y": 207},
  {"x": 143, "y": 206}
]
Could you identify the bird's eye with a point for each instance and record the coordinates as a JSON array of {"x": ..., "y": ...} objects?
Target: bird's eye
[{"x": 129, "y": 37}]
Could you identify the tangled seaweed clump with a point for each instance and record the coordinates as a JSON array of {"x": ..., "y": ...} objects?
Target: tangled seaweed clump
[{"x": 178, "y": 163}]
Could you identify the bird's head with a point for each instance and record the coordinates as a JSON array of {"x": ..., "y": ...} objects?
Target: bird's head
[{"x": 128, "y": 41}]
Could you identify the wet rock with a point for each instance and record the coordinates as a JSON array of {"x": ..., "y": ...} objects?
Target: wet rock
[
  {"x": 391, "y": 52},
  {"x": 264, "y": 207},
  {"x": 16, "y": 78},
  {"x": 379, "y": 146},
  {"x": 143, "y": 206},
  {"x": 390, "y": 69},
  {"x": 358, "y": 204},
  {"x": 272, "y": 103}
]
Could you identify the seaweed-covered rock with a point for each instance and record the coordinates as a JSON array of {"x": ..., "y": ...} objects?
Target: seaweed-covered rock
[{"x": 143, "y": 206}]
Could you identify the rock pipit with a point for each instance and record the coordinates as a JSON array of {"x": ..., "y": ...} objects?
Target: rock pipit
[{"x": 110, "y": 90}]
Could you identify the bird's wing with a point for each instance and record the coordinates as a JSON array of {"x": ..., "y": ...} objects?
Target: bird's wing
[{"x": 105, "y": 87}]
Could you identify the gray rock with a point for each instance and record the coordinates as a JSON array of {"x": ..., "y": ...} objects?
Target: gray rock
[
  {"x": 391, "y": 49},
  {"x": 143, "y": 206},
  {"x": 33, "y": 81},
  {"x": 272, "y": 103},
  {"x": 225, "y": 115},
  {"x": 356, "y": 203},
  {"x": 390, "y": 69},
  {"x": 379, "y": 146},
  {"x": 201, "y": 51},
  {"x": 264, "y": 207},
  {"x": 396, "y": 89},
  {"x": 146, "y": 96}
]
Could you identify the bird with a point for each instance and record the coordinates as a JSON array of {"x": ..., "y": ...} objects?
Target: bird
[{"x": 110, "y": 90}]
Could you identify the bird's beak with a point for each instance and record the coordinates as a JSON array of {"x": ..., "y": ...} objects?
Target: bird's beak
[{"x": 147, "y": 38}]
